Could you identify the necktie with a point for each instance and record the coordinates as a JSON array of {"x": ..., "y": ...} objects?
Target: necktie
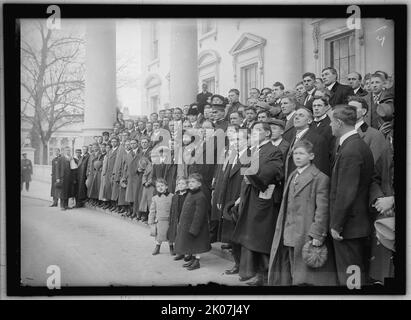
[
  {"x": 296, "y": 180},
  {"x": 376, "y": 99},
  {"x": 307, "y": 99}
]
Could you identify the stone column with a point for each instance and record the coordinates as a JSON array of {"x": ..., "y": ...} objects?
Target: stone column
[
  {"x": 100, "y": 90},
  {"x": 285, "y": 47},
  {"x": 183, "y": 62}
]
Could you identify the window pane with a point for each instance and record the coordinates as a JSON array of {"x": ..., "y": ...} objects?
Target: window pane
[
  {"x": 352, "y": 63},
  {"x": 352, "y": 45},
  {"x": 343, "y": 69},
  {"x": 344, "y": 47},
  {"x": 336, "y": 65},
  {"x": 336, "y": 49}
]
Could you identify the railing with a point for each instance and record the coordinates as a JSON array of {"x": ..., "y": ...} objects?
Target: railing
[{"x": 42, "y": 173}]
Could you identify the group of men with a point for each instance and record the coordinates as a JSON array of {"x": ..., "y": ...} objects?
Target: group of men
[{"x": 245, "y": 175}]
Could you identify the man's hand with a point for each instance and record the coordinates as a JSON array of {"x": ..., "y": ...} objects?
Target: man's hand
[
  {"x": 246, "y": 180},
  {"x": 383, "y": 205},
  {"x": 336, "y": 235},
  {"x": 317, "y": 243}
]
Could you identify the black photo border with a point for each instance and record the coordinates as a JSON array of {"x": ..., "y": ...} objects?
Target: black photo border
[{"x": 11, "y": 15}]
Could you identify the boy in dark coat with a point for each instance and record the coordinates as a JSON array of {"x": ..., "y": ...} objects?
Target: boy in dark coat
[
  {"x": 176, "y": 206},
  {"x": 193, "y": 235}
]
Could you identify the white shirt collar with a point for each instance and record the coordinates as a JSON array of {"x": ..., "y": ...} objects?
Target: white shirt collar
[
  {"x": 277, "y": 142},
  {"x": 321, "y": 118},
  {"x": 358, "y": 124},
  {"x": 347, "y": 135},
  {"x": 300, "y": 170},
  {"x": 331, "y": 86},
  {"x": 356, "y": 90},
  {"x": 114, "y": 149},
  {"x": 298, "y": 135},
  {"x": 290, "y": 115}
]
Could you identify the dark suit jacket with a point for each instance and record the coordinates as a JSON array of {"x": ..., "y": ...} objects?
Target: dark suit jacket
[
  {"x": 350, "y": 183},
  {"x": 340, "y": 94},
  {"x": 289, "y": 130},
  {"x": 323, "y": 129},
  {"x": 321, "y": 153},
  {"x": 309, "y": 103},
  {"x": 202, "y": 100},
  {"x": 361, "y": 92},
  {"x": 283, "y": 146}
]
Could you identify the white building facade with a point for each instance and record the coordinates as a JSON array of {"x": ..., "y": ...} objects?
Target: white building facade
[{"x": 178, "y": 55}]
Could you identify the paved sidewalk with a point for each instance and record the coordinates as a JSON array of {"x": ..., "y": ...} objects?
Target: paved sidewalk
[
  {"x": 41, "y": 190},
  {"x": 38, "y": 190}
]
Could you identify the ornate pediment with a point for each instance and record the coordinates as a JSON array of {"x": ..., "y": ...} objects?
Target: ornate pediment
[
  {"x": 246, "y": 42},
  {"x": 208, "y": 57},
  {"x": 152, "y": 80}
]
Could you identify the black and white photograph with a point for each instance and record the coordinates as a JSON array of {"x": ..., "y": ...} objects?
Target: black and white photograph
[{"x": 214, "y": 149}]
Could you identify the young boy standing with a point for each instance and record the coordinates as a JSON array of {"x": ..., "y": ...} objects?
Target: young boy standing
[
  {"x": 303, "y": 217},
  {"x": 159, "y": 215},
  {"x": 176, "y": 205},
  {"x": 193, "y": 235}
]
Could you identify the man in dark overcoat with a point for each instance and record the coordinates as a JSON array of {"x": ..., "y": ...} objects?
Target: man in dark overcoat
[
  {"x": 108, "y": 187},
  {"x": 63, "y": 178},
  {"x": 81, "y": 177},
  {"x": 351, "y": 177},
  {"x": 257, "y": 215},
  {"x": 26, "y": 171},
  {"x": 54, "y": 191}
]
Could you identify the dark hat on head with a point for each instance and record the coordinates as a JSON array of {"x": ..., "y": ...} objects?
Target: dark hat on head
[
  {"x": 193, "y": 110},
  {"x": 24, "y": 153},
  {"x": 78, "y": 150},
  {"x": 277, "y": 122},
  {"x": 217, "y": 96},
  {"x": 106, "y": 133},
  {"x": 313, "y": 256}
]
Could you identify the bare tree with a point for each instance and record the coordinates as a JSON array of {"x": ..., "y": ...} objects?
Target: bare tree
[{"x": 52, "y": 79}]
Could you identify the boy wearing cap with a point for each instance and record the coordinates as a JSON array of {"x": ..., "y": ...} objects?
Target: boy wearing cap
[{"x": 303, "y": 217}]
